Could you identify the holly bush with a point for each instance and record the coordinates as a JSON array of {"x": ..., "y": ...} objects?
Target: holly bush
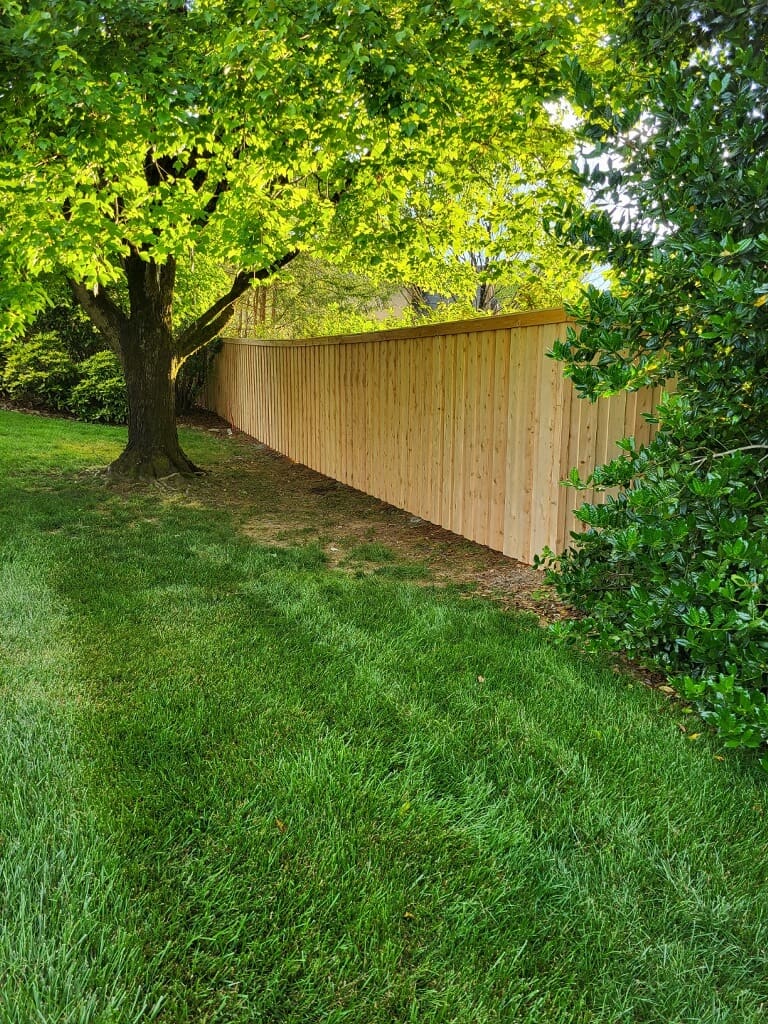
[
  {"x": 673, "y": 568},
  {"x": 673, "y": 571}
]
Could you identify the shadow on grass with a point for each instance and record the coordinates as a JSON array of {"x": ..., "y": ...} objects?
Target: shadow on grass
[{"x": 358, "y": 799}]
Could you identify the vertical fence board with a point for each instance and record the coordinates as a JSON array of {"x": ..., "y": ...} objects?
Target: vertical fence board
[
  {"x": 441, "y": 479},
  {"x": 515, "y": 467},
  {"x": 383, "y": 426},
  {"x": 343, "y": 469},
  {"x": 469, "y": 452},
  {"x": 531, "y": 429},
  {"x": 449, "y": 412},
  {"x": 334, "y": 398},
  {"x": 545, "y": 523},
  {"x": 421, "y": 415},
  {"x": 460, "y": 436},
  {"x": 468, "y": 425},
  {"x": 367, "y": 391},
  {"x": 400, "y": 416},
  {"x": 484, "y": 428},
  {"x": 499, "y": 439},
  {"x": 413, "y": 453},
  {"x": 569, "y": 453}
]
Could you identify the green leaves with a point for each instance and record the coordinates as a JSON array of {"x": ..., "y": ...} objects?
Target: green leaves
[
  {"x": 273, "y": 126},
  {"x": 674, "y": 568}
]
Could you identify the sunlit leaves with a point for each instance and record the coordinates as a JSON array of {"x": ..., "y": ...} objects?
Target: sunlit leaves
[{"x": 288, "y": 125}]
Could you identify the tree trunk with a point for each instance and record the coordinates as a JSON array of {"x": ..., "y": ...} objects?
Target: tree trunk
[
  {"x": 150, "y": 366},
  {"x": 151, "y": 356},
  {"x": 153, "y": 449}
]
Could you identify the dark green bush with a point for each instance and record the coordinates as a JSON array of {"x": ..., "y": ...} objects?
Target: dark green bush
[
  {"x": 673, "y": 570},
  {"x": 100, "y": 395},
  {"x": 74, "y": 332},
  {"x": 63, "y": 364},
  {"x": 38, "y": 372}
]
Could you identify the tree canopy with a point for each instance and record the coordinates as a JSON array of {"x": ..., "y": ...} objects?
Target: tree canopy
[
  {"x": 137, "y": 133},
  {"x": 254, "y": 130}
]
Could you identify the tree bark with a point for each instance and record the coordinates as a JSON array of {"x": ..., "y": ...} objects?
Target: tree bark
[
  {"x": 150, "y": 366},
  {"x": 104, "y": 314},
  {"x": 153, "y": 449},
  {"x": 151, "y": 357}
]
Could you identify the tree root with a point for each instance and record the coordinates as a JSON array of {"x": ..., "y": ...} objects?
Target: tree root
[{"x": 136, "y": 464}]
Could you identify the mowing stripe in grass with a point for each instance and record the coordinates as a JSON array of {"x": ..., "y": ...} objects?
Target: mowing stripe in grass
[
  {"x": 67, "y": 953},
  {"x": 332, "y": 818},
  {"x": 356, "y": 800}
]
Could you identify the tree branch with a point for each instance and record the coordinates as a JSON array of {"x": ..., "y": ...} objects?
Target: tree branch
[
  {"x": 339, "y": 193},
  {"x": 216, "y": 317},
  {"x": 162, "y": 168},
  {"x": 103, "y": 312},
  {"x": 731, "y": 451},
  {"x": 210, "y": 207}
]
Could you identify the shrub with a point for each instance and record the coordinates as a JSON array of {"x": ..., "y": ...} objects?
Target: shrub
[
  {"x": 73, "y": 330},
  {"x": 100, "y": 395},
  {"x": 673, "y": 571},
  {"x": 38, "y": 372},
  {"x": 674, "y": 567}
]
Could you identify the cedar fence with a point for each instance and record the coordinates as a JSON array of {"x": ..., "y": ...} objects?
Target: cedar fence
[{"x": 468, "y": 425}]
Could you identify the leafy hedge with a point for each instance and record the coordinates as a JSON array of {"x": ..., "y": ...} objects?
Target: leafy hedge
[
  {"x": 37, "y": 371},
  {"x": 673, "y": 569},
  {"x": 100, "y": 395},
  {"x": 62, "y": 365}
]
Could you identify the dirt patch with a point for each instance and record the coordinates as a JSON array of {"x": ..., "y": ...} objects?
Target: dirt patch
[
  {"x": 282, "y": 503},
  {"x": 6, "y": 405}
]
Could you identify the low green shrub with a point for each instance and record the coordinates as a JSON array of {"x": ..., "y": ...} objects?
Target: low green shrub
[
  {"x": 38, "y": 372},
  {"x": 673, "y": 572},
  {"x": 100, "y": 396}
]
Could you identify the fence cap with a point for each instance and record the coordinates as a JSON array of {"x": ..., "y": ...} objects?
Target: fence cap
[{"x": 502, "y": 322}]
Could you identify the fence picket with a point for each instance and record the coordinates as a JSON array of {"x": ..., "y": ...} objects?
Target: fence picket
[{"x": 468, "y": 425}]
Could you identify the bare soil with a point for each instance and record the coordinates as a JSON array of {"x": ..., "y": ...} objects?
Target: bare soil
[{"x": 283, "y": 503}]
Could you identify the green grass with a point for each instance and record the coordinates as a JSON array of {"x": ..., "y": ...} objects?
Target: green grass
[
  {"x": 373, "y": 552},
  {"x": 404, "y": 571},
  {"x": 386, "y": 562},
  {"x": 237, "y": 786}
]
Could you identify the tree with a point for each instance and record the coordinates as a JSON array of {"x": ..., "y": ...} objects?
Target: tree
[
  {"x": 674, "y": 568},
  {"x": 313, "y": 298},
  {"x": 137, "y": 133},
  {"x": 493, "y": 237}
]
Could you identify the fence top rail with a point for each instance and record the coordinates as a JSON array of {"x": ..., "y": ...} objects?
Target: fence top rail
[{"x": 509, "y": 321}]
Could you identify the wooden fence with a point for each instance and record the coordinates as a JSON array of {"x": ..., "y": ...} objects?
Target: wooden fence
[{"x": 468, "y": 425}]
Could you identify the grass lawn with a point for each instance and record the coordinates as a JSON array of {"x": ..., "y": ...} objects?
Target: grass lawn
[{"x": 238, "y": 785}]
